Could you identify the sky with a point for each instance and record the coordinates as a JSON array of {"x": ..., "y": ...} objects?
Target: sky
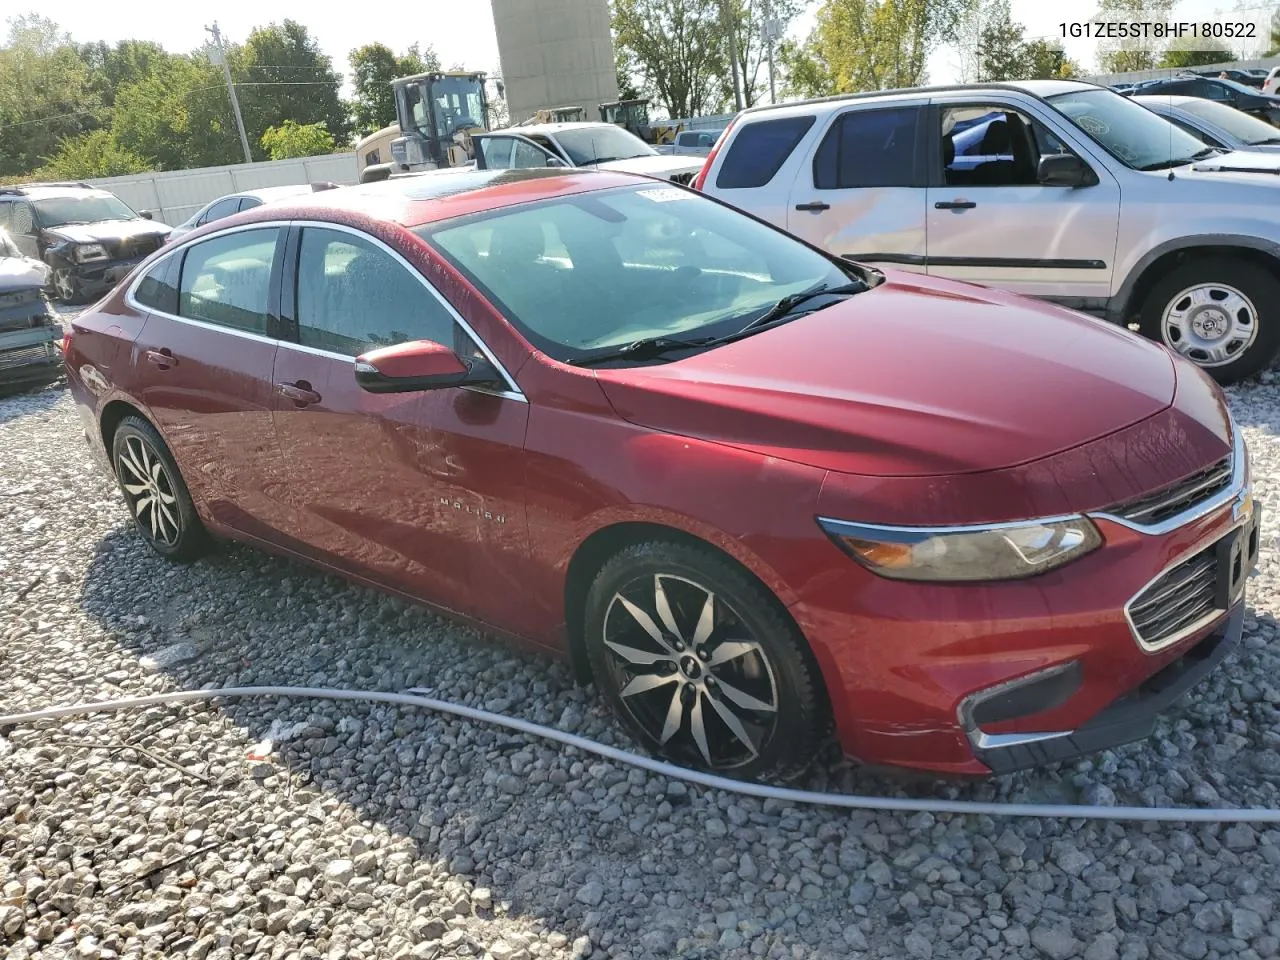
[{"x": 462, "y": 30}]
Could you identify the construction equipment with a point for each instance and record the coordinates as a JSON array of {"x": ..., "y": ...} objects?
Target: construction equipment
[
  {"x": 556, "y": 115},
  {"x": 633, "y": 115},
  {"x": 436, "y": 115}
]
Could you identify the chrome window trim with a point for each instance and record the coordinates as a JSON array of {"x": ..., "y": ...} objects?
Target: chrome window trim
[
  {"x": 1205, "y": 621},
  {"x": 513, "y": 393},
  {"x": 1239, "y": 475}
]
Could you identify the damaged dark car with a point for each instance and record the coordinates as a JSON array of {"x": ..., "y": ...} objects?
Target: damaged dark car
[
  {"x": 29, "y": 331},
  {"x": 89, "y": 238}
]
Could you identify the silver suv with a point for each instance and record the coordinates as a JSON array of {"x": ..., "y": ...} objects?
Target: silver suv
[{"x": 1055, "y": 189}]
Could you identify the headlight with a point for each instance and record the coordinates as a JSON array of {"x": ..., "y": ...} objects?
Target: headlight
[
  {"x": 85, "y": 252},
  {"x": 1001, "y": 551}
]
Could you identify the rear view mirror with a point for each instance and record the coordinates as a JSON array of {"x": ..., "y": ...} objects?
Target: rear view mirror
[
  {"x": 1064, "y": 170},
  {"x": 419, "y": 365}
]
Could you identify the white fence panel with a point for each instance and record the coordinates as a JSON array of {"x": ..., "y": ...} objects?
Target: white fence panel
[{"x": 174, "y": 195}]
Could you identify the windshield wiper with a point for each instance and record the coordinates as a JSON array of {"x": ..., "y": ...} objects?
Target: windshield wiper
[
  {"x": 787, "y": 304},
  {"x": 646, "y": 349},
  {"x": 1181, "y": 161},
  {"x": 1269, "y": 141}
]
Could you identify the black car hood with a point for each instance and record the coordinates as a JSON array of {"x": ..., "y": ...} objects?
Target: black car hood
[
  {"x": 21, "y": 273},
  {"x": 108, "y": 230}
]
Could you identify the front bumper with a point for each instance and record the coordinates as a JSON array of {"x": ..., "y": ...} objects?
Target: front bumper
[
  {"x": 29, "y": 357},
  {"x": 103, "y": 275}
]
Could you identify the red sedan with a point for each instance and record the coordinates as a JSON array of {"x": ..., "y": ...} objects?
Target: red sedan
[{"x": 751, "y": 490}]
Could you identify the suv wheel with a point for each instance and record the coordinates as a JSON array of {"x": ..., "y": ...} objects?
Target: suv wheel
[
  {"x": 66, "y": 287},
  {"x": 1208, "y": 311},
  {"x": 702, "y": 666}
]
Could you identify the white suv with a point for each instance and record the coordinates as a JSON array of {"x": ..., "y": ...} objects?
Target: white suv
[{"x": 1055, "y": 189}]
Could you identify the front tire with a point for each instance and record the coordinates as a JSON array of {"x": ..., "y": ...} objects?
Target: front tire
[
  {"x": 702, "y": 665},
  {"x": 1222, "y": 315},
  {"x": 158, "y": 500},
  {"x": 66, "y": 288}
]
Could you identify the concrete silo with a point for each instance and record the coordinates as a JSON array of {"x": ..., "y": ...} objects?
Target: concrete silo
[{"x": 555, "y": 53}]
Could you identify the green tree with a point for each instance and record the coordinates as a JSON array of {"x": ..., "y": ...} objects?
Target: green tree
[
  {"x": 111, "y": 68},
  {"x": 45, "y": 94},
  {"x": 745, "y": 20},
  {"x": 861, "y": 45},
  {"x": 675, "y": 45},
  {"x": 1044, "y": 61},
  {"x": 281, "y": 74},
  {"x": 1002, "y": 49},
  {"x": 93, "y": 154},
  {"x": 1180, "y": 56},
  {"x": 373, "y": 67},
  {"x": 804, "y": 75},
  {"x": 290, "y": 140},
  {"x": 1121, "y": 56}
]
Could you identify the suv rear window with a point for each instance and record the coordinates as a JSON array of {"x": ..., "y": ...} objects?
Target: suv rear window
[{"x": 759, "y": 151}]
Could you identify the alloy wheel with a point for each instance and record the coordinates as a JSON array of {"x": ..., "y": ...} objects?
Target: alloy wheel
[
  {"x": 64, "y": 284},
  {"x": 1211, "y": 324},
  {"x": 689, "y": 672},
  {"x": 150, "y": 491}
]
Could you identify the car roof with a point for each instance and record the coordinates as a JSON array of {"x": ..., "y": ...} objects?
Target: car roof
[
  {"x": 1172, "y": 100},
  {"x": 46, "y": 193},
  {"x": 436, "y": 195},
  {"x": 271, "y": 193},
  {"x": 550, "y": 128}
]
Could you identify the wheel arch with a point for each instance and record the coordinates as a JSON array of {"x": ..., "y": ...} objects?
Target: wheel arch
[
  {"x": 594, "y": 551},
  {"x": 1164, "y": 257},
  {"x": 113, "y": 414}
]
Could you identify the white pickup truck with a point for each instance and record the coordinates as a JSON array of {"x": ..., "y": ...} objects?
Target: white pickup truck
[{"x": 692, "y": 143}]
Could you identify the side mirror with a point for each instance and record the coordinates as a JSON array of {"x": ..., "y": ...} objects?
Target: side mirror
[
  {"x": 1064, "y": 170},
  {"x": 146, "y": 214},
  {"x": 419, "y": 365}
]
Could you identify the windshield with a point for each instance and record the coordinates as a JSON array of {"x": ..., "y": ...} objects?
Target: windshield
[
  {"x": 588, "y": 145},
  {"x": 1238, "y": 124},
  {"x": 58, "y": 211},
  {"x": 458, "y": 105},
  {"x": 605, "y": 269},
  {"x": 1128, "y": 131}
]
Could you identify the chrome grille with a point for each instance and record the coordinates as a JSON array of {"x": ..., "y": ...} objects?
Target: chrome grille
[
  {"x": 41, "y": 353},
  {"x": 1177, "y": 498},
  {"x": 1180, "y": 599}
]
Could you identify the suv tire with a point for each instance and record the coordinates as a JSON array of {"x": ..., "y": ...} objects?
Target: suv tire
[{"x": 1202, "y": 307}]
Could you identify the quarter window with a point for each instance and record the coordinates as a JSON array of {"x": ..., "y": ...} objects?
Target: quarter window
[
  {"x": 870, "y": 148},
  {"x": 227, "y": 280},
  {"x": 223, "y": 208},
  {"x": 158, "y": 289},
  {"x": 759, "y": 151},
  {"x": 354, "y": 297}
]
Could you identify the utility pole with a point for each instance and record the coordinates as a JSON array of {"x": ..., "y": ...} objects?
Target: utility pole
[
  {"x": 771, "y": 36},
  {"x": 728, "y": 25},
  {"x": 221, "y": 56}
]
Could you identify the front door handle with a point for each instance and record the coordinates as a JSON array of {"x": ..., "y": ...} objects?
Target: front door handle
[
  {"x": 300, "y": 393},
  {"x": 815, "y": 206},
  {"x": 162, "y": 358},
  {"x": 954, "y": 205}
]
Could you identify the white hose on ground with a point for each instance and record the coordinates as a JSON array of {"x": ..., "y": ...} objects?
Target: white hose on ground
[{"x": 746, "y": 788}]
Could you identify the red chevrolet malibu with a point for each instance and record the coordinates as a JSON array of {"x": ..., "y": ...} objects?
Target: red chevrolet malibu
[{"x": 751, "y": 490}]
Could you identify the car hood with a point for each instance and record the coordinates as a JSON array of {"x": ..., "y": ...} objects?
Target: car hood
[
  {"x": 21, "y": 273},
  {"x": 917, "y": 377},
  {"x": 659, "y": 166},
  {"x": 109, "y": 230},
  {"x": 1261, "y": 160}
]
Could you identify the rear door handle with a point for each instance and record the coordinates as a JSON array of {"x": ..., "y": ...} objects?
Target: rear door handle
[
  {"x": 954, "y": 205},
  {"x": 162, "y": 358},
  {"x": 816, "y": 206},
  {"x": 300, "y": 392}
]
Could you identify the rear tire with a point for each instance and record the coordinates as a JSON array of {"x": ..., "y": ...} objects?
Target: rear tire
[
  {"x": 1222, "y": 315},
  {"x": 155, "y": 492},
  {"x": 702, "y": 665}
]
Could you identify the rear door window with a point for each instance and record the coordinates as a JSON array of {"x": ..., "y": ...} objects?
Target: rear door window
[
  {"x": 871, "y": 148},
  {"x": 223, "y": 208},
  {"x": 226, "y": 280},
  {"x": 759, "y": 151}
]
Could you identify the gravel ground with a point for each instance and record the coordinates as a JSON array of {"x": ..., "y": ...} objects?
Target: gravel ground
[{"x": 378, "y": 832}]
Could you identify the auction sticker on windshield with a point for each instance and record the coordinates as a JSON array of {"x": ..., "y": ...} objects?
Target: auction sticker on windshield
[{"x": 664, "y": 194}]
